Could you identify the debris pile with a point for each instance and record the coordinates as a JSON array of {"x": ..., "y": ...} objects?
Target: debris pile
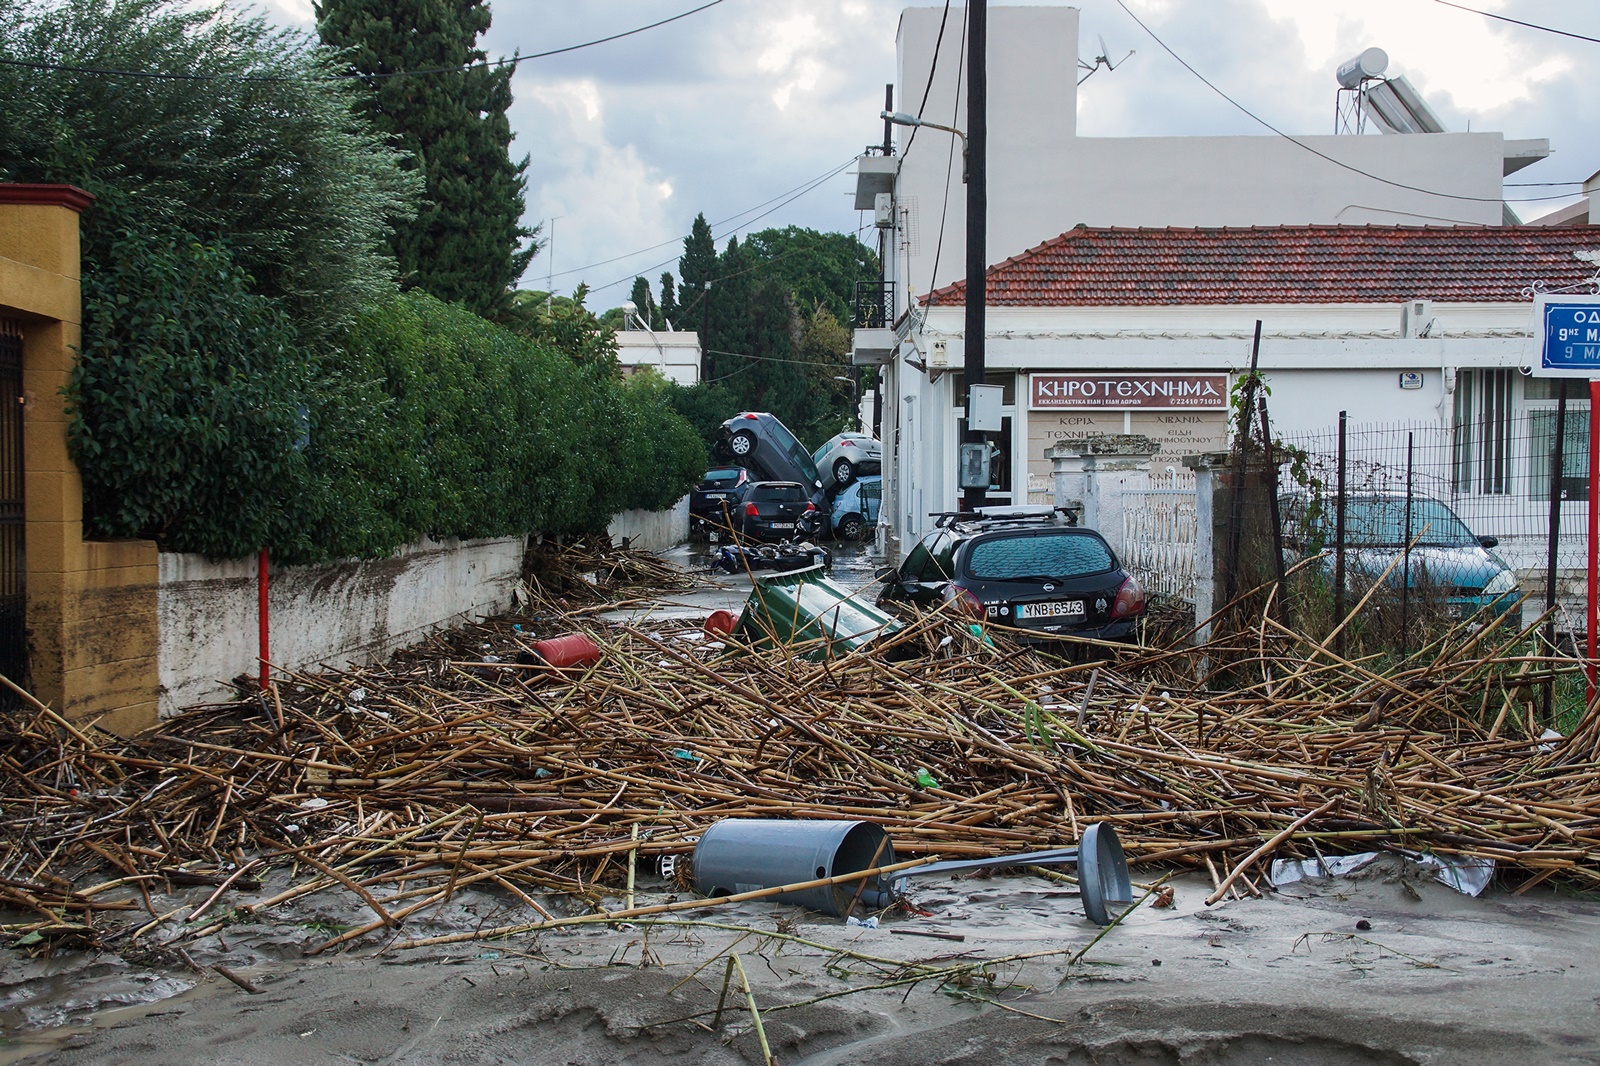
[{"x": 467, "y": 761}]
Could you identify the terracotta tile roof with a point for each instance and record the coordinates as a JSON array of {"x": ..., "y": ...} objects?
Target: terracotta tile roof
[{"x": 1286, "y": 264}]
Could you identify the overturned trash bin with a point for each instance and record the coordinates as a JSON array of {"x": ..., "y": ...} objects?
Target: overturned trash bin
[
  {"x": 804, "y": 607},
  {"x": 748, "y": 854}
]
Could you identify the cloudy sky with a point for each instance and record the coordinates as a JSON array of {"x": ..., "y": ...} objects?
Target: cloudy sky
[{"x": 740, "y": 108}]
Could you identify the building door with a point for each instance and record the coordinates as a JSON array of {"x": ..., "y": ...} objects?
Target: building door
[{"x": 13, "y": 595}]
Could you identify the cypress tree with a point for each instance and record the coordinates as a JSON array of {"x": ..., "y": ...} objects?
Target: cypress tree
[
  {"x": 642, "y": 300},
  {"x": 669, "y": 302},
  {"x": 696, "y": 267},
  {"x": 730, "y": 328},
  {"x": 466, "y": 243}
]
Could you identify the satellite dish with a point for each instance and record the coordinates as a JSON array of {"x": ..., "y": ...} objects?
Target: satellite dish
[{"x": 1364, "y": 67}]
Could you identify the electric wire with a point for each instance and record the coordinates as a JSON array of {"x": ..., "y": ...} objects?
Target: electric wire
[
  {"x": 1518, "y": 22},
  {"x": 949, "y": 168},
  {"x": 933, "y": 69},
  {"x": 1323, "y": 155},
  {"x": 513, "y": 61}
]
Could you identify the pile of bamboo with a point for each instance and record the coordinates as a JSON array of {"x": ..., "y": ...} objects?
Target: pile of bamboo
[{"x": 463, "y": 762}]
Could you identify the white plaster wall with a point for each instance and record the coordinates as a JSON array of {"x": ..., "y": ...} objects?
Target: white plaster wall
[
  {"x": 336, "y": 613},
  {"x": 1044, "y": 179},
  {"x": 654, "y": 531}
]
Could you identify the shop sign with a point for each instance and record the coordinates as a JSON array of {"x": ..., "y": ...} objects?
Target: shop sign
[{"x": 1058, "y": 392}]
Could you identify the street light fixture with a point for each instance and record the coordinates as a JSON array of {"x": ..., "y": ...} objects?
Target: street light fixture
[{"x": 900, "y": 118}]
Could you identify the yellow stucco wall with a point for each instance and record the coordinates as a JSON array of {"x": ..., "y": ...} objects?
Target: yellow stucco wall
[{"x": 91, "y": 604}]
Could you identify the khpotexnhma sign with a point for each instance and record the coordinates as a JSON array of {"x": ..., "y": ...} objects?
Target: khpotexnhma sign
[
  {"x": 1058, "y": 392},
  {"x": 1567, "y": 329}
]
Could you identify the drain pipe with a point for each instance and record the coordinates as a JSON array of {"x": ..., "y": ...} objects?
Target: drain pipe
[{"x": 261, "y": 611}]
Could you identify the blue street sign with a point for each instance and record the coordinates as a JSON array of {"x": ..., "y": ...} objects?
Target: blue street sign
[{"x": 1569, "y": 337}]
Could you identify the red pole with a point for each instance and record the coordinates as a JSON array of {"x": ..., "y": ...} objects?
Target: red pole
[
  {"x": 1594, "y": 534},
  {"x": 261, "y": 611}
]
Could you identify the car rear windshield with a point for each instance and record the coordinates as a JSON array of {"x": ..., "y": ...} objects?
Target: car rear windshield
[
  {"x": 1043, "y": 555},
  {"x": 780, "y": 493},
  {"x": 723, "y": 478}
]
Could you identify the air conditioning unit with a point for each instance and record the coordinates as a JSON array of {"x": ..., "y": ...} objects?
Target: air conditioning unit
[
  {"x": 1416, "y": 318},
  {"x": 939, "y": 356},
  {"x": 883, "y": 210}
]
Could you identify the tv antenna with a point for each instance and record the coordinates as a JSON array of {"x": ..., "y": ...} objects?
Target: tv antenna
[{"x": 1101, "y": 60}]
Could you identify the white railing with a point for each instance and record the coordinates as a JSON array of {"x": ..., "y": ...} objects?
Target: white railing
[{"x": 1158, "y": 534}]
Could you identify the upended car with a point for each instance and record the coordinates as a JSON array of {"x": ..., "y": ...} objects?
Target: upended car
[
  {"x": 1023, "y": 569},
  {"x": 847, "y": 456},
  {"x": 761, "y": 443},
  {"x": 1448, "y": 562}
]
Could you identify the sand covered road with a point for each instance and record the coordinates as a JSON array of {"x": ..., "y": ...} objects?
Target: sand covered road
[{"x": 1437, "y": 977}]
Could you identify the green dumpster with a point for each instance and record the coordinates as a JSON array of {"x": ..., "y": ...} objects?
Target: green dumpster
[{"x": 802, "y": 606}]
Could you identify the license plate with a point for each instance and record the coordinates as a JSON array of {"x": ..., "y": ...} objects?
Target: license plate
[
  {"x": 1059, "y": 609},
  {"x": 783, "y": 525},
  {"x": 716, "y": 496}
]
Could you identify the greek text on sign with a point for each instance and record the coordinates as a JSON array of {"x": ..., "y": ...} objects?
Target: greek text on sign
[
  {"x": 1569, "y": 335},
  {"x": 1051, "y": 392}
]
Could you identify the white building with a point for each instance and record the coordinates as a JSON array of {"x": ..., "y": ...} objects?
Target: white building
[
  {"x": 1328, "y": 346},
  {"x": 674, "y": 354}
]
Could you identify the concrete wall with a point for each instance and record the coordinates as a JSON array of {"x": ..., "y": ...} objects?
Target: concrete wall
[
  {"x": 654, "y": 531},
  {"x": 335, "y": 614}
]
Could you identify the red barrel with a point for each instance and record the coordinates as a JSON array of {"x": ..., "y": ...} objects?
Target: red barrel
[
  {"x": 720, "y": 623},
  {"x": 574, "y": 649}
]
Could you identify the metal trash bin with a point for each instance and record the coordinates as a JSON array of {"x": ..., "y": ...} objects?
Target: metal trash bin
[{"x": 745, "y": 854}]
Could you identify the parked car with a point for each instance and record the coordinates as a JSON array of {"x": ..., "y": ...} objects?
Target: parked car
[
  {"x": 847, "y": 456},
  {"x": 764, "y": 445},
  {"x": 1024, "y": 569},
  {"x": 712, "y": 501},
  {"x": 1448, "y": 560},
  {"x": 775, "y": 510},
  {"x": 855, "y": 508}
]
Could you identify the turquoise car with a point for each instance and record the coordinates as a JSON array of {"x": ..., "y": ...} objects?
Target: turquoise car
[{"x": 855, "y": 508}]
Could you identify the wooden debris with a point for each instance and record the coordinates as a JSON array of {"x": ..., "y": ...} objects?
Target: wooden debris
[{"x": 455, "y": 764}]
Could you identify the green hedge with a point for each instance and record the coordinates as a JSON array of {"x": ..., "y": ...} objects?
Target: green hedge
[{"x": 428, "y": 420}]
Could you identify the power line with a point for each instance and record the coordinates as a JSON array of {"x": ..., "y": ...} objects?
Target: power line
[
  {"x": 1518, "y": 22},
  {"x": 722, "y": 222},
  {"x": 933, "y": 69},
  {"x": 513, "y": 61},
  {"x": 1322, "y": 155}
]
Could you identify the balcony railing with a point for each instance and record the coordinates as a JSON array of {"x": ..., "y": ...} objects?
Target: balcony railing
[{"x": 874, "y": 305}]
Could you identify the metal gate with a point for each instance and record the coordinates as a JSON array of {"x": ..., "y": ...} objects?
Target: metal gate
[{"x": 13, "y": 594}]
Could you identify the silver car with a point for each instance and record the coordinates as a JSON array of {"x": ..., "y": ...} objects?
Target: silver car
[{"x": 845, "y": 457}]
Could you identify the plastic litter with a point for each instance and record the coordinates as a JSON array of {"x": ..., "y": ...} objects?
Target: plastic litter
[
  {"x": 869, "y": 922},
  {"x": 1467, "y": 876}
]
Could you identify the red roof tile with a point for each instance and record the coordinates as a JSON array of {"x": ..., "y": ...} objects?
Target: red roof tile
[{"x": 1287, "y": 264}]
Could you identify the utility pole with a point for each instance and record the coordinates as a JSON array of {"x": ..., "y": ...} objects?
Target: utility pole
[{"x": 972, "y": 367}]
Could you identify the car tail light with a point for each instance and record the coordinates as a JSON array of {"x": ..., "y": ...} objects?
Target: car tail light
[
  {"x": 1130, "y": 600},
  {"x": 810, "y": 507},
  {"x": 964, "y": 601},
  {"x": 849, "y": 443},
  {"x": 751, "y": 511},
  {"x": 751, "y": 417}
]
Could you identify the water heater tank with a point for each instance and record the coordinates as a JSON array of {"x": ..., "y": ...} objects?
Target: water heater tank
[{"x": 1364, "y": 67}]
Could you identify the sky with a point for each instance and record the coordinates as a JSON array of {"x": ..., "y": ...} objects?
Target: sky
[{"x": 751, "y": 111}]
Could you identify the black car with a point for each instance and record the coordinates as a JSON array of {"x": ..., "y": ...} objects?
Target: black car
[
  {"x": 765, "y": 446},
  {"x": 713, "y": 500},
  {"x": 1023, "y": 569},
  {"x": 775, "y": 510}
]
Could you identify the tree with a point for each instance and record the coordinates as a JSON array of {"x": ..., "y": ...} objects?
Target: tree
[
  {"x": 729, "y": 335},
  {"x": 250, "y": 144},
  {"x": 565, "y": 324},
  {"x": 669, "y": 303},
  {"x": 821, "y": 269},
  {"x": 465, "y": 245},
  {"x": 696, "y": 267},
  {"x": 643, "y": 303}
]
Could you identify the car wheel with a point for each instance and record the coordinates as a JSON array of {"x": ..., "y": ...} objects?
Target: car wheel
[
  {"x": 843, "y": 473},
  {"x": 742, "y": 443},
  {"x": 850, "y": 527}
]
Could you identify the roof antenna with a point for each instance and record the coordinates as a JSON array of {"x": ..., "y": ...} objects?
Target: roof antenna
[{"x": 1101, "y": 60}]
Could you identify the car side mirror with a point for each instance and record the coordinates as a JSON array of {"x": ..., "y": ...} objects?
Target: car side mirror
[
  {"x": 885, "y": 573},
  {"x": 1489, "y": 542}
]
